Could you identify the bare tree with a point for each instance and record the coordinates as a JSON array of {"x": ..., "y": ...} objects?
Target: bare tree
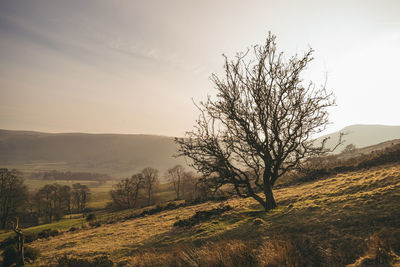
[
  {"x": 50, "y": 203},
  {"x": 150, "y": 177},
  {"x": 175, "y": 176},
  {"x": 260, "y": 124},
  {"x": 80, "y": 195},
  {"x": 13, "y": 194},
  {"x": 189, "y": 185},
  {"x": 349, "y": 149},
  {"x": 126, "y": 193},
  {"x": 65, "y": 196}
]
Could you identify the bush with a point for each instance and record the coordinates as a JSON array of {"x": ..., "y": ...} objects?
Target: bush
[
  {"x": 31, "y": 253},
  {"x": 95, "y": 224},
  {"x": 8, "y": 242},
  {"x": 46, "y": 233},
  {"x": 379, "y": 252},
  {"x": 10, "y": 256},
  {"x": 201, "y": 216},
  {"x": 30, "y": 237},
  {"x": 101, "y": 261},
  {"x": 91, "y": 217}
]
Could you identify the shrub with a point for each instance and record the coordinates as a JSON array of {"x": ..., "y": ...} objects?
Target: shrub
[
  {"x": 101, "y": 261},
  {"x": 31, "y": 253},
  {"x": 201, "y": 216},
  {"x": 30, "y": 237},
  {"x": 46, "y": 233},
  {"x": 8, "y": 242},
  {"x": 290, "y": 253},
  {"x": 379, "y": 252},
  {"x": 91, "y": 217},
  {"x": 10, "y": 256},
  {"x": 95, "y": 224}
]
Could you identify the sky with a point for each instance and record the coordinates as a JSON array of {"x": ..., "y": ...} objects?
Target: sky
[{"x": 127, "y": 66}]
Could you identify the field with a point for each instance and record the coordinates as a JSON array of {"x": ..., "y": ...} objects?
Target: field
[{"x": 331, "y": 222}]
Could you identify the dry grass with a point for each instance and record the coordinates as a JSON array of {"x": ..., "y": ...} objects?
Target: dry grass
[
  {"x": 325, "y": 222},
  {"x": 223, "y": 253},
  {"x": 379, "y": 252}
]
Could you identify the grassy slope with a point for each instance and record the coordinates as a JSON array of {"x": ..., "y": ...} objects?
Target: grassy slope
[{"x": 336, "y": 215}]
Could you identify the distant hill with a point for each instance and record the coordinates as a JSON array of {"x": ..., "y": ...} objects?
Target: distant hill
[
  {"x": 364, "y": 135},
  {"x": 120, "y": 155},
  {"x": 114, "y": 154}
]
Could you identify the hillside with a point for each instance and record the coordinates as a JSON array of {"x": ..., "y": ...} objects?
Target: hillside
[
  {"x": 336, "y": 221},
  {"x": 114, "y": 154},
  {"x": 363, "y": 135}
]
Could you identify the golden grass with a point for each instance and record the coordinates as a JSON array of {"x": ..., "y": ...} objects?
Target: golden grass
[{"x": 330, "y": 218}]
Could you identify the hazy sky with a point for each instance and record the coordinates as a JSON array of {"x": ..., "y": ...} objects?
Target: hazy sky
[{"x": 133, "y": 66}]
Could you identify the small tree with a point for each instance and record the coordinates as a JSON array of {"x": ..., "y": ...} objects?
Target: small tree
[
  {"x": 65, "y": 196},
  {"x": 50, "y": 203},
  {"x": 13, "y": 194},
  {"x": 150, "y": 178},
  {"x": 126, "y": 193},
  {"x": 80, "y": 195},
  {"x": 175, "y": 176},
  {"x": 261, "y": 123},
  {"x": 349, "y": 149},
  {"x": 189, "y": 185}
]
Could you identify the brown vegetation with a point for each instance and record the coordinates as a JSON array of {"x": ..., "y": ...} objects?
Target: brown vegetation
[{"x": 319, "y": 223}]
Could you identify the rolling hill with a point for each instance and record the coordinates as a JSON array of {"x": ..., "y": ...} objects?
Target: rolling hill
[
  {"x": 364, "y": 135},
  {"x": 114, "y": 154},
  {"x": 123, "y": 154}
]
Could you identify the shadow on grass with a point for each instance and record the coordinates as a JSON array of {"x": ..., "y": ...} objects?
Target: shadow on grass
[{"x": 336, "y": 228}]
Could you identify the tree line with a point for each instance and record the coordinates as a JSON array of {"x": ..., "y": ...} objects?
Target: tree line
[
  {"x": 49, "y": 203},
  {"x": 68, "y": 175},
  {"x": 53, "y": 201},
  {"x": 139, "y": 189}
]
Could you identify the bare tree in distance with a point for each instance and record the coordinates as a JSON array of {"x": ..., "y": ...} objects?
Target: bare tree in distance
[
  {"x": 150, "y": 180},
  {"x": 260, "y": 124},
  {"x": 80, "y": 194},
  {"x": 175, "y": 176},
  {"x": 189, "y": 185},
  {"x": 126, "y": 192},
  {"x": 349, "y": 149}
]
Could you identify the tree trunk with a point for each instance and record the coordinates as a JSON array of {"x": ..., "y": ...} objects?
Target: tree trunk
[
  {"x": 179, "y": 188},
  {"x": 149, "y": 197},
  {"x": 269, "y": 198},
  {"x": 21, "y": 248},
  {"x": 183, "y": 190},
  {"x": 3, "y": 222}
]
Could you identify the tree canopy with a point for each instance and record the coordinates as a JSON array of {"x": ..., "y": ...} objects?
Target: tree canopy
[{"x": 260, "y": 124}]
